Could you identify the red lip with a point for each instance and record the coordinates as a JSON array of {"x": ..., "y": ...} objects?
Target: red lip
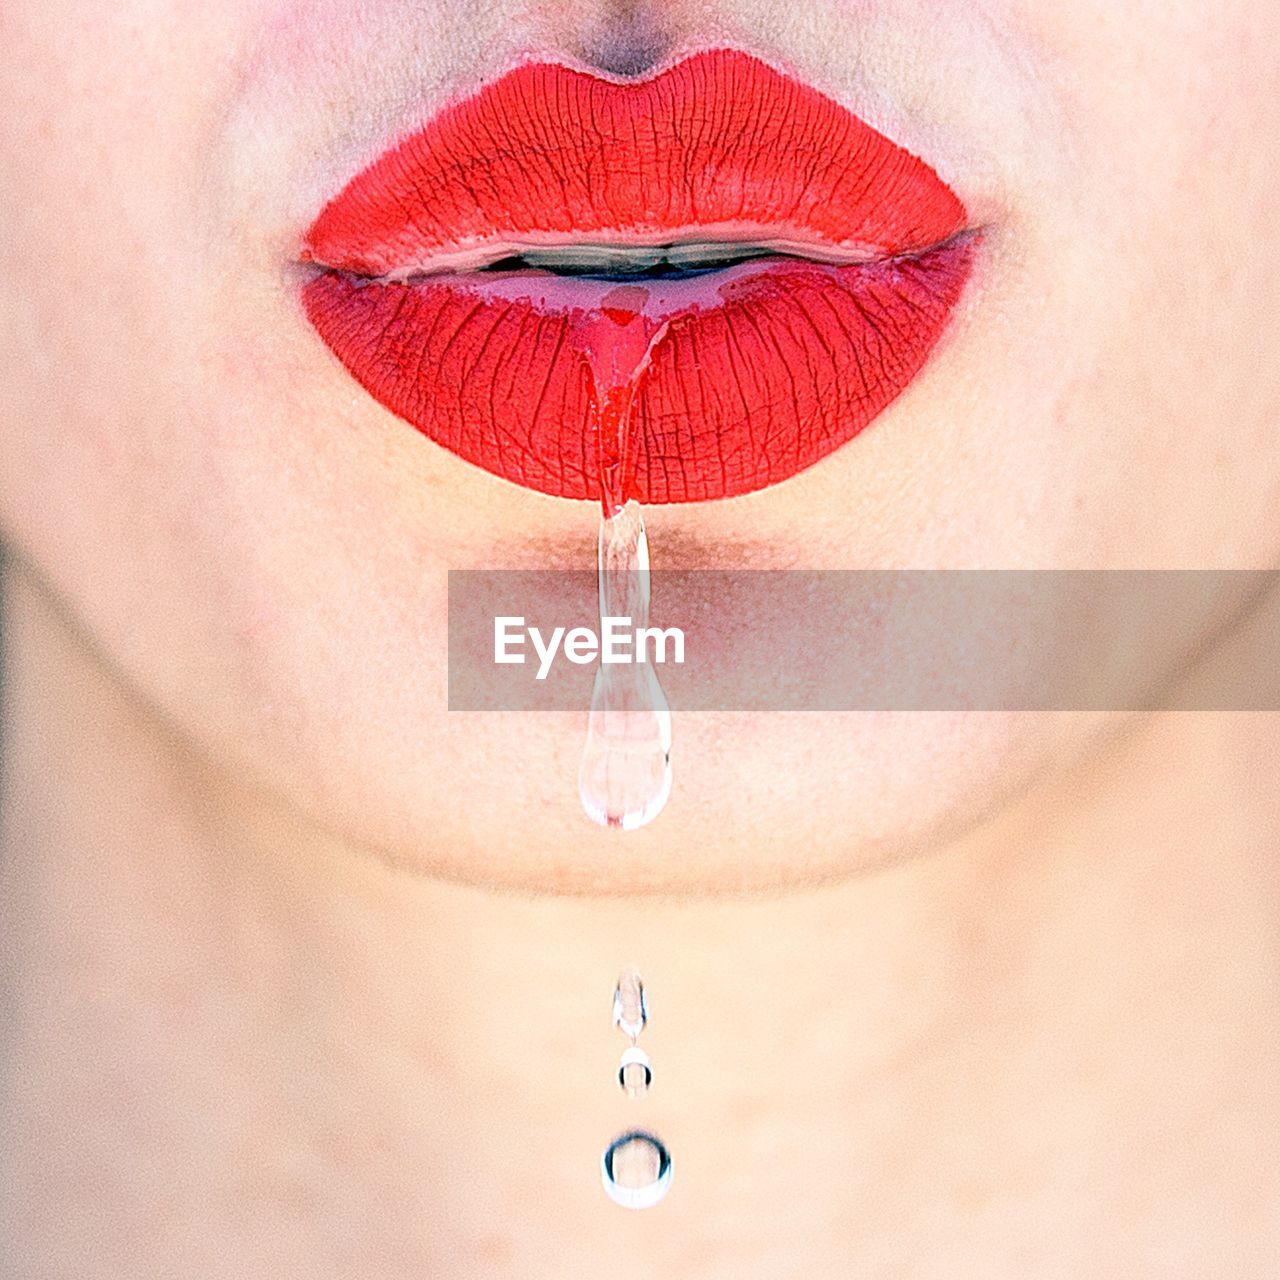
[{"x": 757, "y": 371}]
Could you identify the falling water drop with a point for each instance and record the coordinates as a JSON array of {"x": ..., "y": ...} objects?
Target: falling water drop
[
  {"x": 635, "y": 1075},
  {"x": 625, "y": 775},
  {"x": 630, "y": 1004},
  {"x": 635, "y": 1167},
  {"x": 636, "y": 1170}
]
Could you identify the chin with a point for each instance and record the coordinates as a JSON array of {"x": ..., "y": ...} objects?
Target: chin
[{"x": 761, "y": 803}]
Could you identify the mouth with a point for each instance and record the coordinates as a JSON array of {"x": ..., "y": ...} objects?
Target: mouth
[{"x": 677, "y": 289}]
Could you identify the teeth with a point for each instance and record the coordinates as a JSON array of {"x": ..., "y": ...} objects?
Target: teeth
[
  {"x": 713, "y": 253},
  {"x": 622, "y": 260}
]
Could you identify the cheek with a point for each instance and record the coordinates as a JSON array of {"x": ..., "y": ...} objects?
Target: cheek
[
  {"x": 102, "y": 146},
  {"x": 1142, "y": 358}
]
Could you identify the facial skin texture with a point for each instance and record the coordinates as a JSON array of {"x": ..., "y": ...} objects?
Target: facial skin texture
[
  {"x": 235, "y": 1043},
  {"x": 261, "y": 549}
]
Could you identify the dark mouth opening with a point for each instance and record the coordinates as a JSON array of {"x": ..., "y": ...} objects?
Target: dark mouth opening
[
  {"x": 659, "y": 271},
  {"x": 622, "y": 265}
]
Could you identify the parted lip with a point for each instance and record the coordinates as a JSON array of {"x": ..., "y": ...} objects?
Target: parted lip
[{"x": 846, "y": 255}]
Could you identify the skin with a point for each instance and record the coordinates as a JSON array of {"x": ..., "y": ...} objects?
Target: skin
[{"x": 305, "y": 975}]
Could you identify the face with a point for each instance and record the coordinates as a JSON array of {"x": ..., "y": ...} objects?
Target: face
[{"x": 200, "y": 472}]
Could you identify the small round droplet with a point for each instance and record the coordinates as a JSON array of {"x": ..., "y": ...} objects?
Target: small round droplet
[
  {"x": 630, "y": 1004},
  {"x": 636, "y": 1170},
  {"x": 634, "y": 1073}
]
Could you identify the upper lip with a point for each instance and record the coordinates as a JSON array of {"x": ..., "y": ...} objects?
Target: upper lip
[
  {"x": 750, "y": 378},
  {"x": 771, "y": 160}
]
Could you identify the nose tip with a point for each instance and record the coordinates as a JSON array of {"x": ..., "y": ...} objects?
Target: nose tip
[{"x": 629, "y": 39}]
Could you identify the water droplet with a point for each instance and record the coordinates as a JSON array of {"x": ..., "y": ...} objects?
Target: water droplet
[
  {"x": 625, "y": 776},
  {"x": 630, "y": 1004},
  {"x": 634, "y": 1072},
  {"x": 636, "y": 1170}
]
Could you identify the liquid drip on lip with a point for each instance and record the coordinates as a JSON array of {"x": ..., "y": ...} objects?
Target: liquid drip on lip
[
  {"x": 625, "y": 776},
  {"x": 617, "y": 339}
]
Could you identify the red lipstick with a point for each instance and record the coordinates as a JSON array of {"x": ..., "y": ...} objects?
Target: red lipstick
[{"x": 790, "y": 271}]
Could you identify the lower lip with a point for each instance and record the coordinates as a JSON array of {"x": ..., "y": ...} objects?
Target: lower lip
[{"x": 755, "y": 372}]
